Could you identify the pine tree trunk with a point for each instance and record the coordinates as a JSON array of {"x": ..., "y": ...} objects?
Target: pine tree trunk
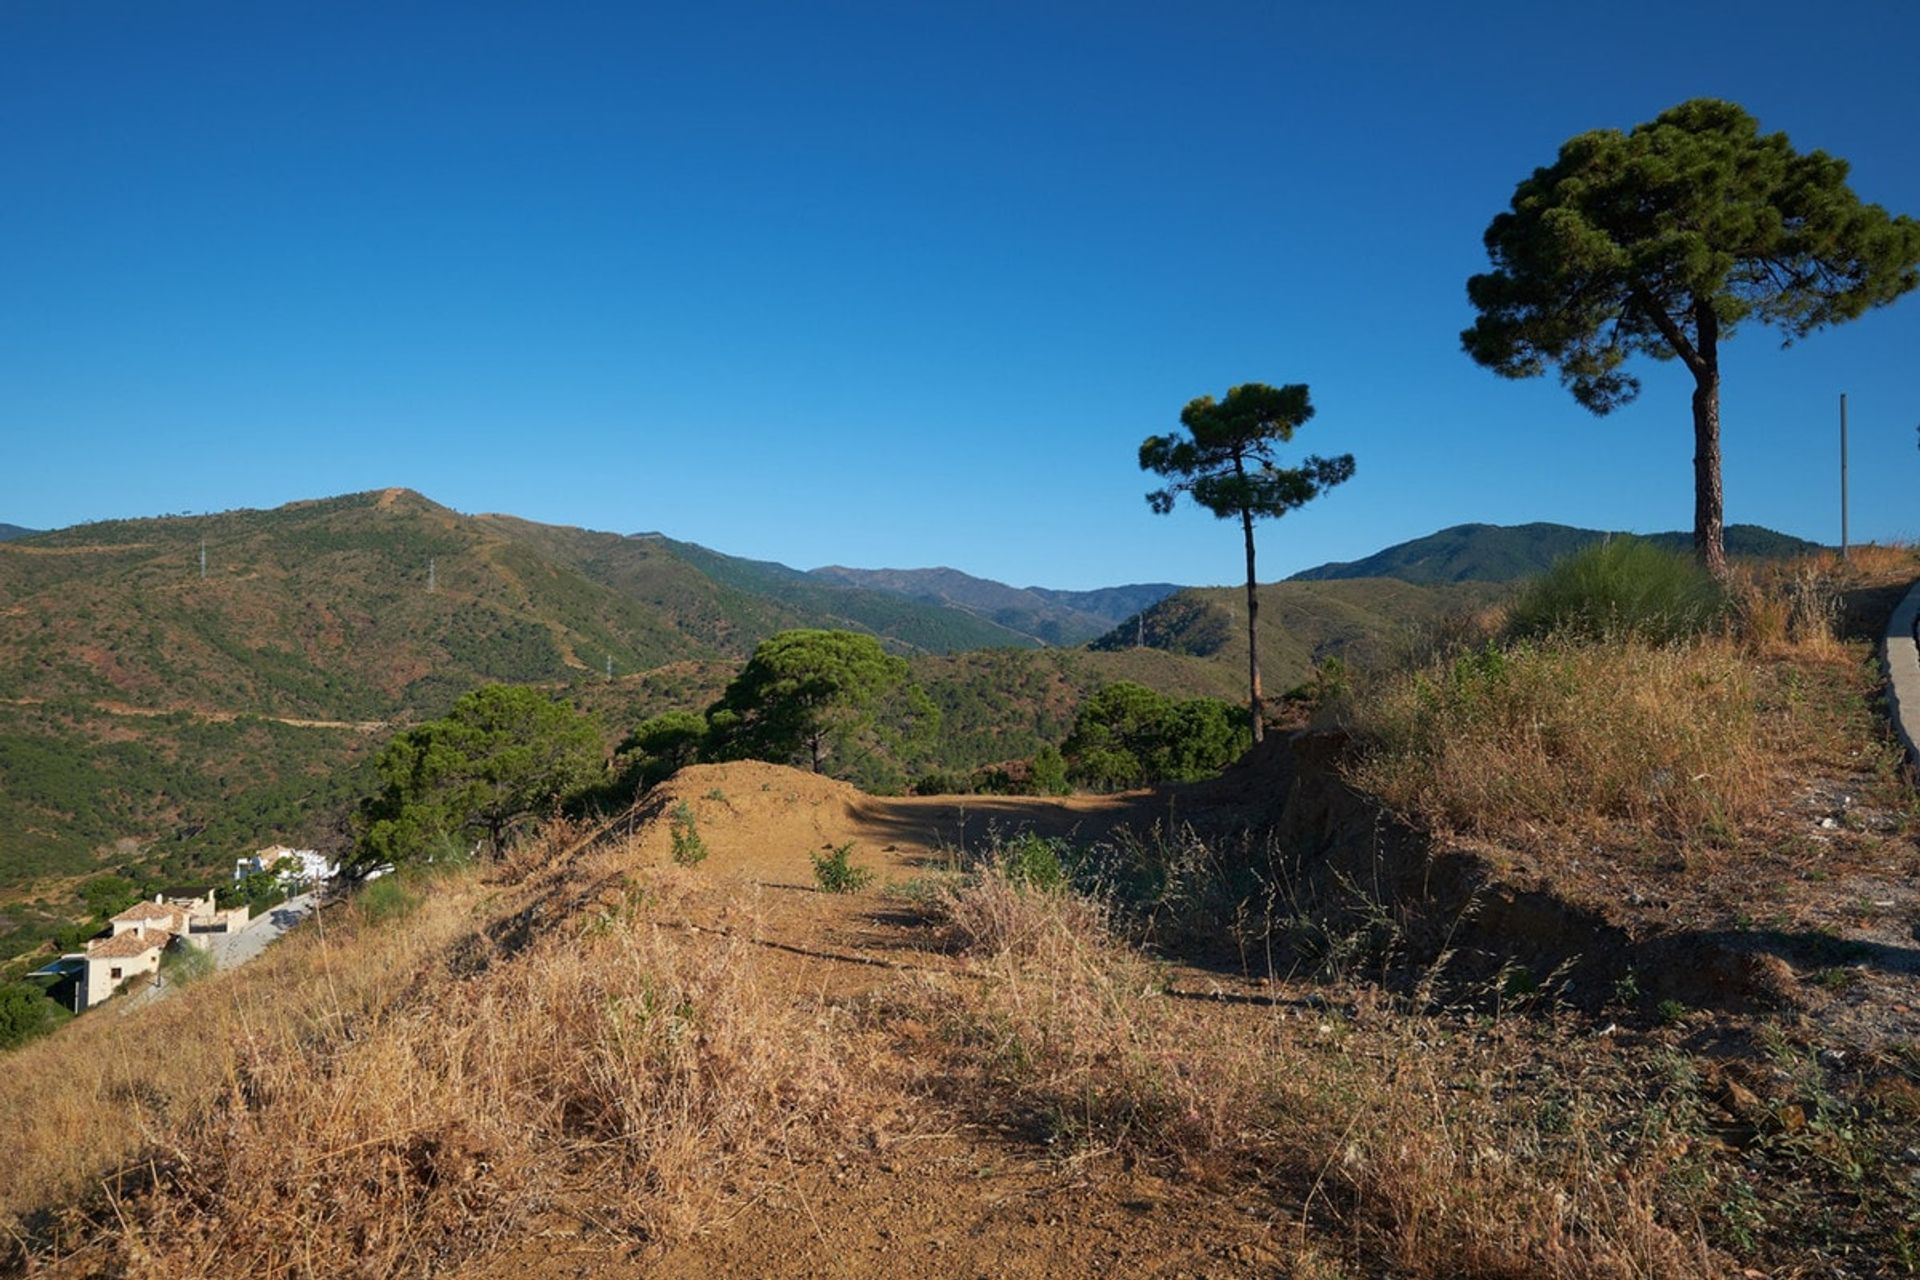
[
  {"x": 1709, "y": 503},
  {"x": 1253, "y": 634}
]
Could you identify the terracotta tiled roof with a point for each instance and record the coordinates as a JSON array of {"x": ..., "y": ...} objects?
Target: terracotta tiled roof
[
  {"x": 125, "y": 946},
  {"x": 164, "y": 911}
]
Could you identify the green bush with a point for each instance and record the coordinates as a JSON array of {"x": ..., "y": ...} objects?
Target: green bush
[
  {"x": 1048, "y": 776},
  {"x": 1620, "y": 588},
  {"x": 836, "y": 873},
  {"x": 1128, "y": 735},
  {"x": 385, "y": 899},
  {"x": 185, "y": 964},
  {"x": 1033, "y": 862},
  {"x": 688, "y": 848},
  {"x": 26, "y": 1014}
]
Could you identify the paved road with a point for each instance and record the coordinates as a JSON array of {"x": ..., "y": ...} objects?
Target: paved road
[{"x": 238, "y": 948}]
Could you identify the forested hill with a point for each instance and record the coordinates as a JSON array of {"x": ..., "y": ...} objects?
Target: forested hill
[
  {"x": 1361, "y": 621},
  {"x": 1505, "y": 553},
  {"x": 1056, "y": 617},
  {"x": 373, "y": 604}
]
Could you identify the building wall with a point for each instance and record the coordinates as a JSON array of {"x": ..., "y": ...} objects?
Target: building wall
[{"x": 100, "y": 980}]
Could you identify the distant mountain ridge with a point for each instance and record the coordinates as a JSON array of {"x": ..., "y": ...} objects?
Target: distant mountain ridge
[
  {"x": 8, "y": 532},
  {"x": 1041, "y": 613},
  {"x": 1505, "y": 553}
]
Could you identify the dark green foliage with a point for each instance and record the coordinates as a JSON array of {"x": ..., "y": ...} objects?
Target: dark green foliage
[
  {"x": 912, "y": 620},
  {"x": 1622, "y": 587},
  {"x": 181, "y": 965},
  {"x": 259, "y": 890},
  {"x": 26, "y": 1014},
  {"x": 835, "y": 872},
  {"x": 1225, "y": 463},
  {"x": 1034, "y": 862},
  {"x": 109, "y": 895},
  {"x": 1028, "y": 613},
  {"x": 184, "y": 795},
  {"x": 1048, "y": 775},
  {"x": 1185, "y": 622},
  {"x": 1127, "y": 735},
  {"x": 501, "y": 754},
  {"x": 811, "y": 696},
  {"x": 661, "y": 745},
  {"x": 1661, "y": 242},
  {"x": 1508, "y": 553}
]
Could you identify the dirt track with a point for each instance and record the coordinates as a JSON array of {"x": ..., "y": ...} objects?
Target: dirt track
[{"x": 924, "y": 1191}]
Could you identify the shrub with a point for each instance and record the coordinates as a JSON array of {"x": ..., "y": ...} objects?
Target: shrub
[
  {"x": 1622, "y": 587},
  {"x": 688, "y": 848},
  {"x": 26, "y": 1014},
  {"x": 384, "y": 899},
  {"x": 1048, "y": 777},
  {"x": 836, "y": 873},
  {"x": 1127, "y": 735},
  {"x": 1033, "y": 862},
  {"x": 183, "y": 965}
]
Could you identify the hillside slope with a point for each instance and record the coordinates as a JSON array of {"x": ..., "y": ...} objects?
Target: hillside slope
[
  {"x": 1505, "y": 553},
  {"x": 377, "y": 604},
  {"x": 1036, "y": 613},
  {"x": 1362, "y": 621}
]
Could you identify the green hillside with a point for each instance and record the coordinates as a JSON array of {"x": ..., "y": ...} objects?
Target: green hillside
[
  {"x": 915, "y": 622},
  {"x": 142, "y": 704},
  {"x": 1506, "y": 553},
  {"x": 1363, "y": 621},
  {"x": 1035, "y": 614}
]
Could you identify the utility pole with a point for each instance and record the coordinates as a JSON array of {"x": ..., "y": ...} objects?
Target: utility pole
[
  {"x": 1843, "y": 475},
  {"x": 203, "y": 559}
]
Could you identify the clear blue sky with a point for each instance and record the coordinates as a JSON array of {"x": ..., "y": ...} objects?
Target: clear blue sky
[{"x": 888, "y": 284}]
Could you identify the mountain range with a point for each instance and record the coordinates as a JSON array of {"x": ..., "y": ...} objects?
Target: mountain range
[
  {"x": 1507, "y": 553},
  {"x": 176, "y": 688}
]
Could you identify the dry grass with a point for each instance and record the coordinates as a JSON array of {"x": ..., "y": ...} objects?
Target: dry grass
[
  {"x": 610, "y": 1073},
  {"x": 1416, "y": 1149},
  {"x": 1686, "y": 742},
  {"x": 1564, "y": 733},
  {"x": 103, "y": 1089}
]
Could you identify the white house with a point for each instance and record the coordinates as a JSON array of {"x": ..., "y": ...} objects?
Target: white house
[
  {"x": 312, "y": 868},
  {"x": 138, "y": 936}
]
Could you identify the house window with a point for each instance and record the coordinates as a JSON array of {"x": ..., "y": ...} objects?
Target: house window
[{"x": 113, "y": 973}]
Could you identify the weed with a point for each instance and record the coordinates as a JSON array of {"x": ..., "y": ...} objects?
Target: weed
[
  {"x": 185, "y": 964},
  {"x": 835, "y": 873},
  {"x": 689, "y": 849},
  {"x": 1033, "y": 862},
  {"x": 1672, "y": 1012},
  {"x": 385, "y": 899}
]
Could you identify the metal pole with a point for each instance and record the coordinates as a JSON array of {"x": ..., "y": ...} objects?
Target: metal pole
[{"x": 1843, "y": 475}]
